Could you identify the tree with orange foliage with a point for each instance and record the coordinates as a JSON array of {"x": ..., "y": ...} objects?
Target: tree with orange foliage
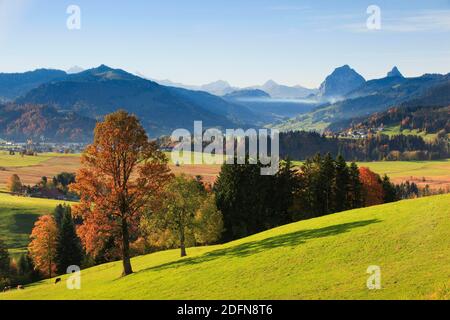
[
  {"x": 372, "y": 187},
  {"x": 42, "y": 248},
  {"x": 121, "y": 172},
  {"x": 14, "y": 185}
]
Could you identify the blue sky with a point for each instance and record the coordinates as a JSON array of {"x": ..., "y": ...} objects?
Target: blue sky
[{"x": 245, "y": 42}]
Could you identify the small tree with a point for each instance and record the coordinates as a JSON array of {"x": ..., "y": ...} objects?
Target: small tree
[
  {"x": 208, "y": 222},
  {"x": 42, "y": 247},
  {"x": 14, "y": 185},
  {"x": 58, "y": 214},
  {"x": 372, "y": 187},
  {"x": 4, "y": 262},
  {"x": 183, "y": 198},
  {"x": 68, "y": 249},
  {"x": 389, "y": 190}
]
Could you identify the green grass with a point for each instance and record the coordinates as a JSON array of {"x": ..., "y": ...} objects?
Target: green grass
[
  {"x": 18, "y": 215},
  {"x": 396, "y": 169},
  {"x": 395, "y": 130},
  {"x": 323, "y": 258},
  {"x": 17, "y": 160}
]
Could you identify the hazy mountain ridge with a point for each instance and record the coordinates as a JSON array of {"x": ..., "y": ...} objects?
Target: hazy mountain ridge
[
  {"x": 13, "y": 85},
  {"x": 99, "y": 91},
  {"x": 92, "y": 93}
]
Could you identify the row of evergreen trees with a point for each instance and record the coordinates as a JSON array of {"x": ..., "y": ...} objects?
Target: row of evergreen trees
[
  {"x": 325, "y": 186},
  {"x": 251, "y": 203}
]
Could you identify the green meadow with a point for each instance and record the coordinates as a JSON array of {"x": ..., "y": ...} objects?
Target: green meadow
[
  {"x": 395, "y": 169},
  {"x": 18, "y": 215},
  {"x": 17, "y": 160},
  {"x": 322, "y": 258}
]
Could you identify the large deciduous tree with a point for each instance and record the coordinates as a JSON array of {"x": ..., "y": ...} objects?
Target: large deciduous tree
[
  {"x": 42, "y": 247},
  {"x": 121, "y": 171}
]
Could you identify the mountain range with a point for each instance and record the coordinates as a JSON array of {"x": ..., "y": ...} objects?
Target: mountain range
[
  {"x": 66, "y": 105},
  {"x": 222, "y": 88},
  {"x": 373, "y": 96}
]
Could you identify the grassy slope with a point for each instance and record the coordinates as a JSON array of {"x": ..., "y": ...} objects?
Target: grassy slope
[
  {"x": 396, "y": 169},
  {"x": 324, "y": 258},
  {"x": 395, "y": 130},
  {"x": 17, "y": 217}
]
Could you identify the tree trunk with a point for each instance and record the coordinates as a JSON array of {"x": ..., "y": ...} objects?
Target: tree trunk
[
  {"x": 127, "y": 270},
  {"x": 182, "y": 243}
]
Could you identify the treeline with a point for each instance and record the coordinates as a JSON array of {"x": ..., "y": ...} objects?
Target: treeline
[
  {"x": 55, "y": 188},
  {"x": 374, "y": 147},
  {"x": 251, "y": 203},
  {"x": 424, "y": 119}
]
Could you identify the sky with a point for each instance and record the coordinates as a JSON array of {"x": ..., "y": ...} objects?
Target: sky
[{"x": 245, "y": 42}]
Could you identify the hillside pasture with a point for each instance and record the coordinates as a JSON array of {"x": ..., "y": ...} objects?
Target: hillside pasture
[
  {"x": 18, "y": 215},
  {"x": 322, "y": 258}
]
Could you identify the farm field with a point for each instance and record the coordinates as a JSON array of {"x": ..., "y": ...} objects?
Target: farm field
[
  {"x": 322, "y": 258},
  {"x": 434, "y": 173},
  {"x": 17, "y": 217}
]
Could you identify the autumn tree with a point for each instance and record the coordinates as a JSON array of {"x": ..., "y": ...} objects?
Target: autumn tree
[
  {"x": 183, "y": 198},
  {"x": 42, "y": 248},
  {"x": 14, "y": 185},
  {"x": 371, "y": 186},
  {"x": 208, "y": 221},
  {"x": 120, "y": 173}
]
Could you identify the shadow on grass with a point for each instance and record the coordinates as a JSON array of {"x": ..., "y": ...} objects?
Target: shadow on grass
[{"x": 255, "y": 247}]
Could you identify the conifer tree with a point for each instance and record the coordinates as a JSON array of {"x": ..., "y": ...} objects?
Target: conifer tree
[{"x": 68, "y": 250}]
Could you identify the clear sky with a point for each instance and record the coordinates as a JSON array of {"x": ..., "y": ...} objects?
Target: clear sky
[{"x": 244, "y": 42}]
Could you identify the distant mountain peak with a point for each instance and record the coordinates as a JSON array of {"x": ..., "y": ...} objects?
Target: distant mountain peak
[
  {"x": 74, "y": 70},
  {"x": 104, "y": 72},
  {"x": 270, "y": 83},
  {"x": 341, "y": 81},
  {"x": 219, "y": 87},
  {"x": 394, "y": 73},
  {"x": 220, "y": 82}
]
